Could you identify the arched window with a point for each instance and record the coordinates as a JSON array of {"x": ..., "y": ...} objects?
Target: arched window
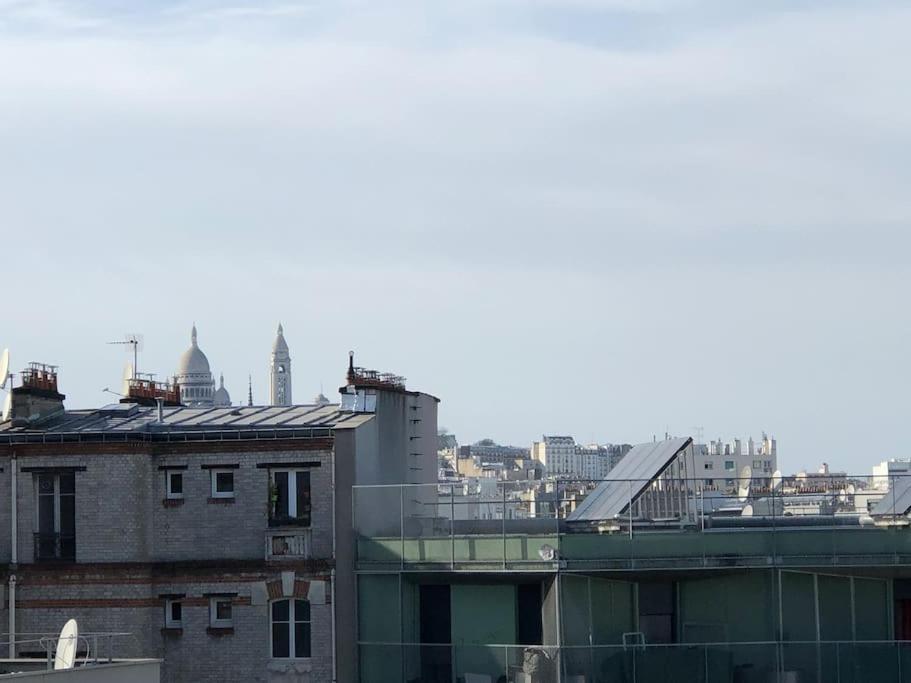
[{"x": 290, "y": 629}]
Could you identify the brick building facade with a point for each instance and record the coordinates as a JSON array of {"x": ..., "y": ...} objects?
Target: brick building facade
[{"x": 210, "y": 535}]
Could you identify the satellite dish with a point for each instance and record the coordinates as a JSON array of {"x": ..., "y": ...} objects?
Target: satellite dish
[
  {"x": 747, "y": 511},
  {"x": 547, "y": 553},
  {"x": 7, "y": 408},
  {"x": 66, "y": 646},
  {"x": 851, "y": 489},
  {"x": 4, "y": 368},
  {"x": 776, "y": 480},
  {"x": 743, "y": 485}
]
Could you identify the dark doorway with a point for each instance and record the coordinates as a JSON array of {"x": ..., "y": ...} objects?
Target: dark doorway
[
  {"x": 656, "y": 612},
  {"x": 530, "y": 628},
  {"x": 436, "y": 634},
  {"x": 901, "y": 590}
]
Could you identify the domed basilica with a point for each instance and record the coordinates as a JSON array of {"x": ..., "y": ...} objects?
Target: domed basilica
[{"x": 197, "y": 384}]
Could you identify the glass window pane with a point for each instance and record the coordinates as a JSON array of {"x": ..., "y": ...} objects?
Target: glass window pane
[
  {"x": 68, "y": 483},
  {"x": 301, "y": 610},
  {"x": 176, "y": 610},
  {"x": 281, "y": 494},
  {"x": 281, "y": 647},
  {"x": 46, "y": 514},
  {"x": 280, "y": 611},
  {"x": 302, "y": 640},
  {"x": 303, "y": 496},
  {"x": 223, "y": 610},
  {"x": 224, "y": 482},
  {"x": 68, "y": 515},
  {"x": 45, "y": 484},
  {"x": 176, "y": 482}
]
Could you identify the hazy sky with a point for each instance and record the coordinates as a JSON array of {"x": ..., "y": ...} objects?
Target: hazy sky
[{"x": 603, "y": 218}]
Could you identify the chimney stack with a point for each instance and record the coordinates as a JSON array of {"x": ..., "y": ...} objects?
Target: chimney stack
[{"x": 37, "y": 398}]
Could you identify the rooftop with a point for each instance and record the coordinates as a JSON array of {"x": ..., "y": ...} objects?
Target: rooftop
[{"x": 130, "y": 421}]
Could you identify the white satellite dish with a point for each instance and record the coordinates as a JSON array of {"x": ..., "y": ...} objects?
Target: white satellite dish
[
  {"x": 4, "y": 368},
  {"x": 67, "y": 643},
  {"x": 776, "y": 480},
  {"x": 7, "y": 408},
  {"x": 747, "y": 511},
  {"x": 743, "y": 484},
  {"x": 851, "y": 489}
]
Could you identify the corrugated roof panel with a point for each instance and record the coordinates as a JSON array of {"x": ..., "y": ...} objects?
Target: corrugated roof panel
[{"x": 628, "y": 479}]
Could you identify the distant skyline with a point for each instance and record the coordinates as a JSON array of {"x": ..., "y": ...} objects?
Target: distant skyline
[{"x": 609, "y": 219}]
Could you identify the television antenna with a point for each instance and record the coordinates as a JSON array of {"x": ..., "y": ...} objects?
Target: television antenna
[
  {"x": 134, "y": 344},
  {"x": 65, "y": 656}
]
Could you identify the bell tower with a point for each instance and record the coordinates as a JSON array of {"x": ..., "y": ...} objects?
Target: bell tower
[{"x": 280, "y": 371}]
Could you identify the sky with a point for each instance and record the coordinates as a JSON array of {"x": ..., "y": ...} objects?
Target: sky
[{"x": 605, "y": 218}]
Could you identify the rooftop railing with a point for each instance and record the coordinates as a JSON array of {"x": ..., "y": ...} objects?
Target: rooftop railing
[
  {"x": 744, "y": 662},
  {"x": 825, "y": 520}
]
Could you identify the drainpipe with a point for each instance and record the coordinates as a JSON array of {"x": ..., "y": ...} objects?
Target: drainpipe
[
  {"x": 332, "y": 573},
  {"x": 14, "y": 554}
]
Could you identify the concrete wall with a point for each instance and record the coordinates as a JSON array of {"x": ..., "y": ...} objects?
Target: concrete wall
[{"x": 145, "y": 671}]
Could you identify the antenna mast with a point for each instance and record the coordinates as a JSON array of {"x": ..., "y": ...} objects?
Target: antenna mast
[{"x": 134, "y": 341}]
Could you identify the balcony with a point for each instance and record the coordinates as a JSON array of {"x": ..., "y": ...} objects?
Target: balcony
[
  {"x": 507, "y": 525},
  {"x": 289, "y": 544},
  {"x": 54, "y": 547},
  {"x": 751, "y": 662}
]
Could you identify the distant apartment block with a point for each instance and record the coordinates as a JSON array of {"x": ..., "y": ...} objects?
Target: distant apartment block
[
  {"x": 563, "y": 458},
  {"x": 720, "y": 464}
]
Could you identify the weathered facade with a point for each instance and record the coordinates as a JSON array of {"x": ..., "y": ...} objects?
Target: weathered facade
[{"x": 210, "y": 534}]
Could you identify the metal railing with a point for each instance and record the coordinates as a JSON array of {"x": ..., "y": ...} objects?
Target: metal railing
[
  {"x": 55, "y": 547},
  {"x": 743, "y": 662},
  {"x": 817, "y": 519},
  {"x": 92, "y": 647}
]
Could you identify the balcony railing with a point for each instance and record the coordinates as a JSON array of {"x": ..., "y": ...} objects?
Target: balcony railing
[
  {"x": 832, "y": 520},
  {"x": 54, "y": 547},
  {"x": 288, "y": 544},
  {"x": 749, "y": 662}
]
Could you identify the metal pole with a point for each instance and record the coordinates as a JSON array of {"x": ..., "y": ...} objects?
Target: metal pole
[
  {"x": 452, "y": 524},
  {"x": 402, "y": 522},
  {"x": 503, "y": 526},
  {"x": 630, "y": 483}
]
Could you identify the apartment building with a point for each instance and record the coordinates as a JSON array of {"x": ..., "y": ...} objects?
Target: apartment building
[{"x": 219, "y": 537}]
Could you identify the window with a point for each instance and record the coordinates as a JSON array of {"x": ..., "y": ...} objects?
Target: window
[
  {"x": 709, "y": 482},
  {"x": 709, "y": 465},
  {"x": 173, "y": 613},
  {"x": 174, "y": 482},
  {"x": 220, "y": 612},
  {"x": 757, "y": 464},
  {"x": 729, "y": 464},
  {"x": 55, "y": 538},
  {"x": 222, "y": 483},
  {"x": 290, "y": 631},
  {"x": 289, "y": 497}
]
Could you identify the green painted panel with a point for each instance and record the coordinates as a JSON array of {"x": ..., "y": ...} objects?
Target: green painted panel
[
  {"x": 378, "y": 608},
  {"x": 727, "y": 608},
  {"x": 612, "y": 611},
  {"x": 798, "y": 606},
  {"x": 834, "y": 607},
  {"x": 871, "y": 609},
  {"x": 482, "y": 615}
]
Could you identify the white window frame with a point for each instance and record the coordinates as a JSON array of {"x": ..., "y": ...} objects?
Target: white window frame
[
  {"x": 167, "y": 483},
  {"x": 214, "y": 482},
  {"x": 169, "y": 621},
  {"x": 291, "y": 623},
  {"x": 214, "y": 621}
]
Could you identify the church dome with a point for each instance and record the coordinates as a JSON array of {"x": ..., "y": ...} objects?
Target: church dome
[
  {"x": 222, "y": 398},
  {"x": 197, "y": 387},
  {"x": 193, "y": 361}
]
